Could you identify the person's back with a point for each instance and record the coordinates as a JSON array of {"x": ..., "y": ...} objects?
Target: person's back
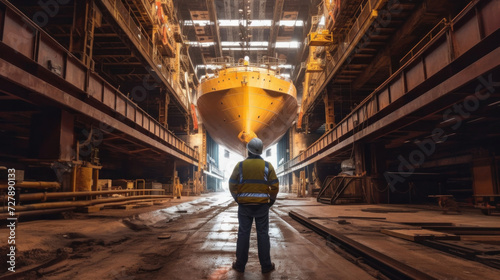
[
  {"x": 254, "y": 186},
  {"x": 256, "y": 182}
]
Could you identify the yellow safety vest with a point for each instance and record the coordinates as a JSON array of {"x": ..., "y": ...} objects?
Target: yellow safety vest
[{"x": 254, "y": 181}]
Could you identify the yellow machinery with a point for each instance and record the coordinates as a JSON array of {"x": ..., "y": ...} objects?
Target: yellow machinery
[
  {"x": 320, "y": 38},
  {"x": 314, "y": 63},
  {"x": 315, "y": 66}
]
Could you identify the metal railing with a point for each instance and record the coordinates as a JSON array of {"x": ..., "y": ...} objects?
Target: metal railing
[
  {"x": 397, "y": 85},
  {"x": 427, "y": 38},
  {"x": 333, "y": 189},
  {"x": 263, "y": 62},
  {"x": 146, "y": 46},
  {"x": 344, "y": 47},
  {"x": 74, "y": 72},
  {"x": 228, "y": 64}
]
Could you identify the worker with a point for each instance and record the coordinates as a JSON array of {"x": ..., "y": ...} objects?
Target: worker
[
  {"x": 177, "y": 188},
  {"x": 254, "y": 186}
]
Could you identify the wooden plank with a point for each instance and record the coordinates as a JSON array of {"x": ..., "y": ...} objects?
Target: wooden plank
[
  {"x": 419, "y": 234},
  {"x": 90, "y": 209},
  {"x": 143, "y": 204},
  {"x": 124, "y": 207}
]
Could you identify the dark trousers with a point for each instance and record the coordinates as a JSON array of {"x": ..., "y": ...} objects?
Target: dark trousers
[{"x": 246, "y": 214}]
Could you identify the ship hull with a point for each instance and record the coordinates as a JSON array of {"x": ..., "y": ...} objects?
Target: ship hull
[{"x": 237, "y": 106}]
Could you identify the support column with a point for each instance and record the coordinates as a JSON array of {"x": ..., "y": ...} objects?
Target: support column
[
  {"x": 52, "y": 136},
  {"x": 378, "y": 182},
  {"x": 361, "y": 165},
  {"x": 188, "y": 129},
  {"x": 302, "y": 184},
  {"x": 314, "y": 180},
  {"x": 163, "y": 110},
  {"x": 176, "y": 184},
  {"x": 359, "y": 159},
  {"x": 483, "y": 173},
  {"x": 203, "y": 151},
  {"x": 329, "y": 111},
  {"x": 295, "y": 182}
]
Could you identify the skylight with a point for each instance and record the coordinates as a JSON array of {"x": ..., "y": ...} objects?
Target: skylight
[
  {"x": 236, "y": 45},
  {"x": 236, "y": 23}
]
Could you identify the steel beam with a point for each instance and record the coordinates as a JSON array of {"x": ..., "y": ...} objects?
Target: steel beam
[
  {"x": 144, "y": 47},
  {"x": 412, "y": 81},
  {"x": 212, "y": 12},
  {"x": 40, "y": 65},
  {"x": 362, "y": 25},
  {"x": 12, "y": 74},
  {"x": 275, "y": 27},
  {"x": 488, "y": 63}
]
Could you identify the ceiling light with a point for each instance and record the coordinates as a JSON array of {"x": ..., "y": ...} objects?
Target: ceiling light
[
  {"x": 284, "y": 45},
  {"x": 291, "y": 23},
  {"x": 240, "y": 49}
]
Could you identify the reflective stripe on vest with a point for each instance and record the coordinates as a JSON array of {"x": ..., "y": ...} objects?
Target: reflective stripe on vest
[
  {"x": 266, "y": 171},
  {"x": 241, "y": 172},
  {"x": 253, "y": 195},
  {"x": 273, "y": 182}
]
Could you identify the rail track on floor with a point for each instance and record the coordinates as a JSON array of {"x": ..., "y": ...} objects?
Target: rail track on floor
[{"x": 388, "y": 266}]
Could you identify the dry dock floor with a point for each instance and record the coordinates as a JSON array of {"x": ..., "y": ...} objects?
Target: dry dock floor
[{"x": 195, "y": 238}]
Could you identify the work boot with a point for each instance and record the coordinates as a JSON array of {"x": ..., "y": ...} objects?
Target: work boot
[
  {"x": 267, "y": 270},
  {"x": 237, "y": 268}
]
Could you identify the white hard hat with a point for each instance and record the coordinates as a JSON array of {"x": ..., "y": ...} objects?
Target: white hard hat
[{"x": 255, "y": 146}]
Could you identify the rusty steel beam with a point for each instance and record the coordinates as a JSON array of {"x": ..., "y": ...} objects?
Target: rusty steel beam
[
  {"x": 146, "y": 50},
  {"x": 212, "y": 12},
  {"x": 12, "y": 74},
  {"x": 382, "y": 59},
  {"x": 275, "y": 27},
  {"x": 363, "y": 23},
  {"x": 35, "y": 56},
  {"x": 480, "y": 42},
  {"x": 487, "y": 63}
]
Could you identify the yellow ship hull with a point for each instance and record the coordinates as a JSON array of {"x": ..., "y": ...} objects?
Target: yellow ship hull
[{"x": 244, "y": 103}]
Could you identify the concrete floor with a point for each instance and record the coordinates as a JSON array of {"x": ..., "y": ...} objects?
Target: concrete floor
[{"x": 124, "y": 244}]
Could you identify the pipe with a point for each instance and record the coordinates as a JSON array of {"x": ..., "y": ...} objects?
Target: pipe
[
  {"x": 34, "y": 185},
  {"x": 58, "y": 195},
  {"x": 63, "y": 204}
]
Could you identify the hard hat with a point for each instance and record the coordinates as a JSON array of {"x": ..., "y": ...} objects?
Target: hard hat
[{"x": 255, "y": 146}]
